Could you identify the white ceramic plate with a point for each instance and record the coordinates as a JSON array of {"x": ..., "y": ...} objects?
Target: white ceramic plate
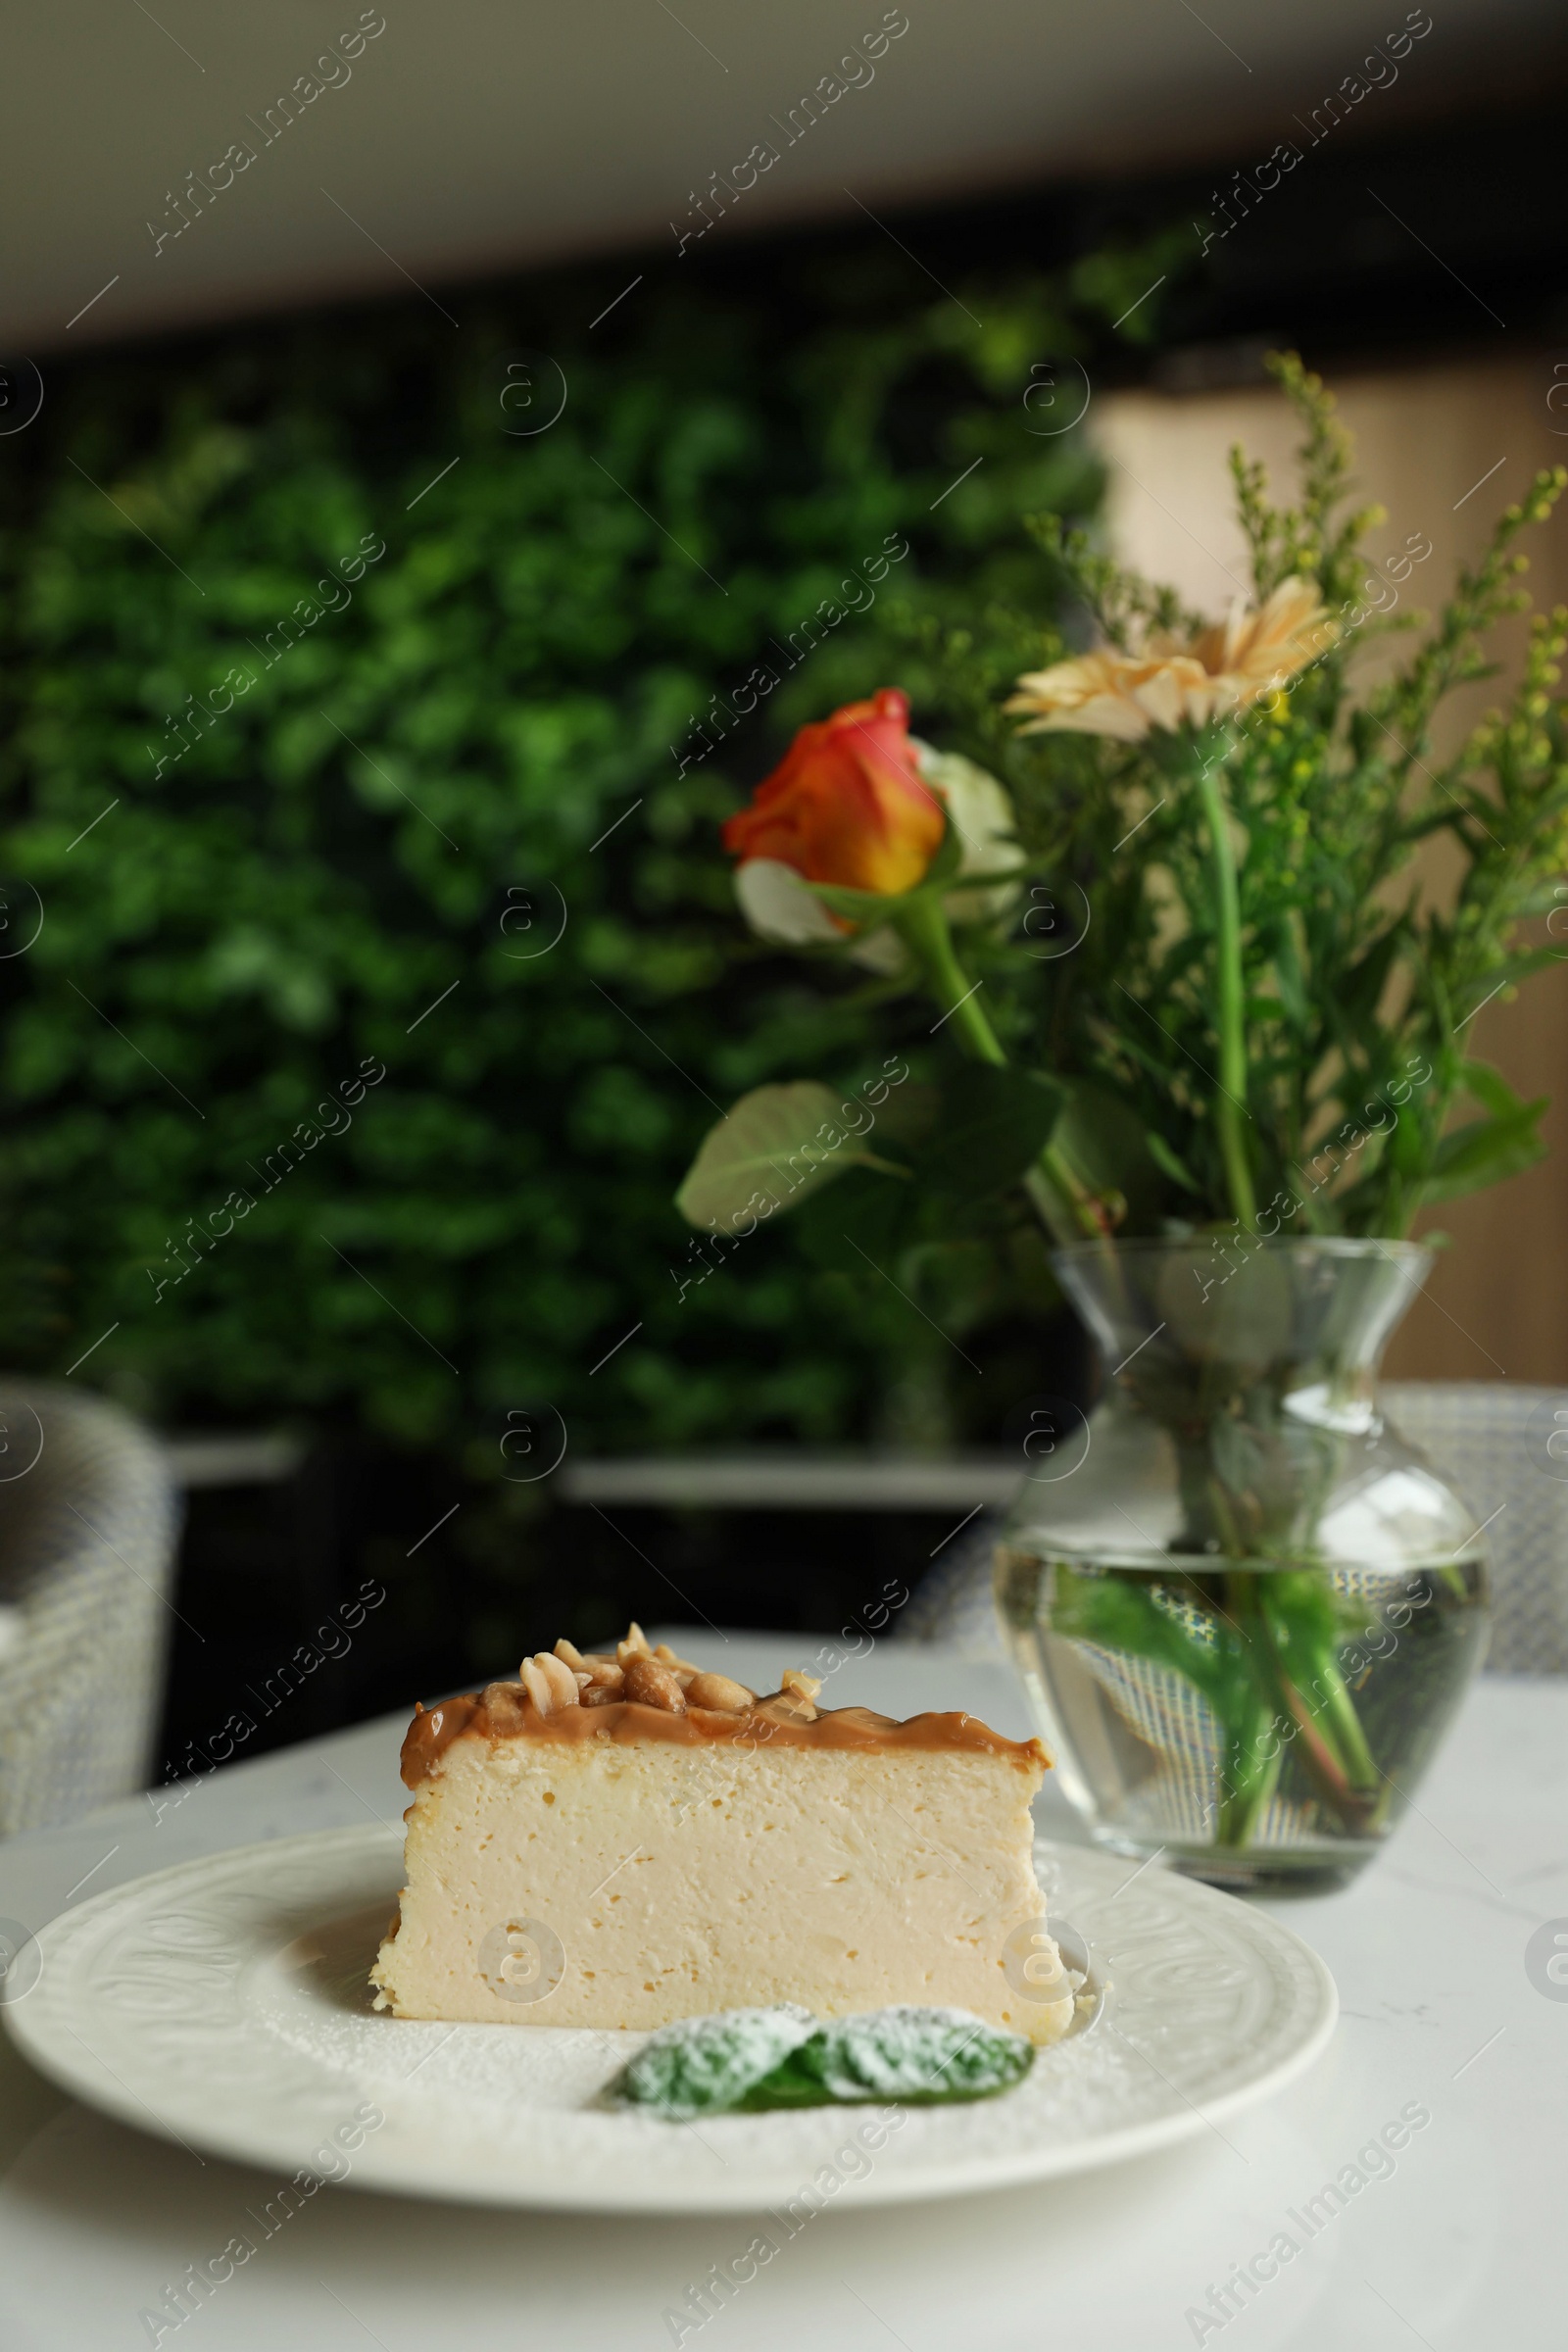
[{"x": 224, "y": 2004}]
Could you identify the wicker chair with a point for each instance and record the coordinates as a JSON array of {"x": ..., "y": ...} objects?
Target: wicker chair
[
  {"x": 1489, "y": 1438},
  {"x": 89, "y": 1517}
]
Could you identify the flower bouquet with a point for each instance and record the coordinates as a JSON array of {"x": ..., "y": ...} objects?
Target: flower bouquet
[{"x": 1195, "y": 1023}]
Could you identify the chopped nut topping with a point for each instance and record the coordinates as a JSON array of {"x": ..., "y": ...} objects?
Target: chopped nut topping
[
  {"x": 718, "y": 1691},
  {"x": 563, "y": 1682},
  {"x": 650, "y": 1685},
  {"x": 503, "y": 1703},
  {"x": 795, "y": 1701},
  {"x": 549, "y": 1682},
  {"x": 781, "y": 1706},
  {"x": 602, "y": 1673},
  {"x": 681, "y": 1668},
  {"x": 650, "y": 1677}
]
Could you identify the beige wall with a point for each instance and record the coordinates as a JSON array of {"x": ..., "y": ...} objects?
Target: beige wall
[{"x": 1498, "y": 1302}]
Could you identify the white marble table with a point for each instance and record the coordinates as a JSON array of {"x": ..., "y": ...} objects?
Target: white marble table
[{"x": 1462, "y": 2245}]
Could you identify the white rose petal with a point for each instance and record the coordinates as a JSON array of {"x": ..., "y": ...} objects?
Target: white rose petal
[
  {"x": 883, "y": 951},
  {"x": 982, "y": 816},
  {"x": 778, "y": 905}
]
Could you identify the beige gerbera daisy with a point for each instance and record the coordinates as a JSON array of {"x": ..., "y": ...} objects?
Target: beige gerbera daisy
[{"x": 1236, "y": 661}]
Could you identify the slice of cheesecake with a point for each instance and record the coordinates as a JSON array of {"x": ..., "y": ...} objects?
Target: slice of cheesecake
[{"x": 625, "y": 1841}]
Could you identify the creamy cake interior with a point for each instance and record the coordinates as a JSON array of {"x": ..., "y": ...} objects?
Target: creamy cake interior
[{"x": 619, "y": 1842}]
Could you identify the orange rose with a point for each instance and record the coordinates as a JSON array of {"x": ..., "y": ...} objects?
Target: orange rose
[{"x": 845, "y": 804}]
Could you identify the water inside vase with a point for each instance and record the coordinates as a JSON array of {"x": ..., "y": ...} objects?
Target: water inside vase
[{"x": 1252, "y": 1722}]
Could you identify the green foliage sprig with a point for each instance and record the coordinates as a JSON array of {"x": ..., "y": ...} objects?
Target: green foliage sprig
[{"x": 1358, "y": 984}]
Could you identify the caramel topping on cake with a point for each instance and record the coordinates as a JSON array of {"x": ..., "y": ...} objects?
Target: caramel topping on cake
[{"x": 644, "y": 1693}]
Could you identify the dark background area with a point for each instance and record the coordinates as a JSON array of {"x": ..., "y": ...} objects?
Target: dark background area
[
  {"x": 468, "y": 1584},
  {"x": 264, "y": 1570}
]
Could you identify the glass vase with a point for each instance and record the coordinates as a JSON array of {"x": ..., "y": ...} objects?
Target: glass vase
[{"x": 1245, "y": 1609}]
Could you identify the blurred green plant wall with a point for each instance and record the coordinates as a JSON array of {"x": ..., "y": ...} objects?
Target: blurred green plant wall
[{"x": 331, "y": 696}]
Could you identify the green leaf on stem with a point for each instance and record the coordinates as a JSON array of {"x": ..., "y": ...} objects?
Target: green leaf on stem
[
  {"x": 1485, "y": 1151},
  {"x": 995, "y": 1124},
  {"x": 1491, "y": 1089},
  {"x": 776, "y": 1146},
  {"x": 1109, "y": 1149},
  {"x": 1169, "y": 1161}
]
